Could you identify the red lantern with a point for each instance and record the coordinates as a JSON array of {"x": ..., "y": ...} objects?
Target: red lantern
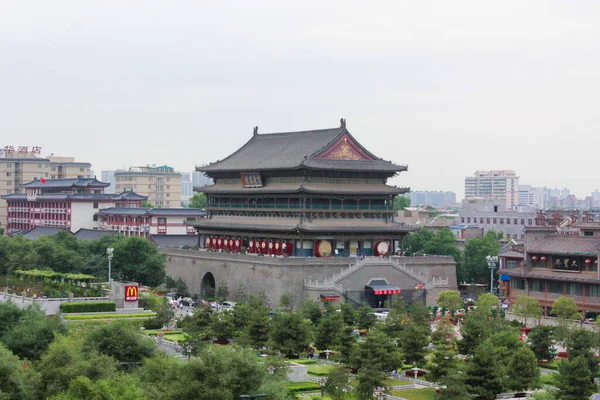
[
  {"x": 595, "y": 261},
  {"x": 209, "y": 243},
  {"x": 287, "y": 248},
  {"x": 534, "y": 258},
  {"x": 543, "y": 258},
  {"x": 263, "y": 246},
  {"x": 237, "y": 244},
  {"x": 587, "y": 261}
]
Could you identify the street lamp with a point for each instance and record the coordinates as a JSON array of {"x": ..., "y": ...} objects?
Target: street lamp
[
  {"x": 492, "y": 261},
  {"x": 322, "y": 382},
  {"x": 380, "y": 393},
  {"x": 109, "y": 253},
  {"x": 271, "y": 370}
]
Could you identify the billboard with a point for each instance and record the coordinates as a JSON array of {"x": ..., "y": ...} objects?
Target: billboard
[{"x": 131, "y": 293}]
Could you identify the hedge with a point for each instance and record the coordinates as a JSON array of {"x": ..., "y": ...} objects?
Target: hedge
[
  {"x": 91, "y": 306},
  {"x": 299, "y": 387},
  {"x": 107, "y": 316}
]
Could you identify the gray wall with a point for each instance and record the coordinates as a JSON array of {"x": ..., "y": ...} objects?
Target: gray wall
[{"x": 278, "y": 275}]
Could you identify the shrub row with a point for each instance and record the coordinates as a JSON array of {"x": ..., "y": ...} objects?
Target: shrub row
[
  {"x": 300, "y": 387},
  {"x": 91, "y": 306},
  {"x": 107, "y": 316}
]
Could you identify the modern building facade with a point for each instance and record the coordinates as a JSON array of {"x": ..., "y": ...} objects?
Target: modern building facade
[
  {"x": 199, "y": 179},
  {"x": 493, "y": 215},
  {"x": 24, "y": 164},
  {"x": 149, "y": 221},
  {"x": 494, "y": 184},
  {"x": 530, "y": 196},
  {"x": 162, "y": 184},
  {"x": 431, "y": 198},
  {"x": 63, "y": 203},
  {"x": 186, "y": 188},
  {"x": 108, "y": 177}
]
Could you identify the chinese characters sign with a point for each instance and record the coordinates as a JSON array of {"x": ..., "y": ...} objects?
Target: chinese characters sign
[
  {"x": 9, "y": 149},
  {"x": 251, "y": 180},
  {"x": 131, "y": 293},
  {"x": 567, "y": 264}
]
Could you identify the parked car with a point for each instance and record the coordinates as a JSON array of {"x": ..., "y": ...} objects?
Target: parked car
[{"x": 227, "y": 305}]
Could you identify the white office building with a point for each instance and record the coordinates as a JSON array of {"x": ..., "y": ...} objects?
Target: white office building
[{"x": 494, "y": 185}]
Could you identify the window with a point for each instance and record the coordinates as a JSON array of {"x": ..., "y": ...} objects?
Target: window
[
  {"x": 588, "y": 233},
  {"x": 487, "y": 220},
  {"x": 537, "y": 286},
  {"x": 516, "y": 221},
  {"x": 9, "y": 165},
  {"x": 575, "y": 289},
  {"x": 462, "y": 220},
  {"x": 495, "y": 220},
  {"x": 95, "y": 204},
  {"x": 468, "y": 220},
  {"x": 556, "y": 287},
  {"x": 8, "y": 183},
  {"x": 495, "y": 208},
  {"x": 81, "y": 169},
  {"x": 518, "y": 284},
  {"x": 168, "y": 187},
  {"x": 529, "y": 222},
  {"x": 507, "y": 221},
  {"x": 39, "y": 165},
  {"x": 593, "y": 290},
  {"x": 168, "y": 194},
  {"x": 162, "y": 221},
  {"x": 512, "y": 264},
  {"x": 481, "y": 220},
  {"x": 522, "y": 222},
  {"x": 501, "y": 221},
  {"x": 95, "y": 218}
]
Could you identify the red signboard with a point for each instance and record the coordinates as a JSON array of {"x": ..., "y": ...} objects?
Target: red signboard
[{"x": 131, "y": 293}]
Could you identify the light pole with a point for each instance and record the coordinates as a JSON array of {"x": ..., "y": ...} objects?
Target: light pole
[
  {"x": 109, "y": 253},
  {"x": 380, "y": 393},
  {"x": 492, "y": 261},
  {"x": 322, "y": 382}
]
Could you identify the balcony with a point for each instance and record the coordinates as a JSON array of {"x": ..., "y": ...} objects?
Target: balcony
[{"x": 348, "y": 207}]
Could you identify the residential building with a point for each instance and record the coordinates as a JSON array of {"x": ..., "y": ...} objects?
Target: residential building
[
  {"x": 494, "y": 185},
  {"x": 63, "y": 203},
  {"x": 431, "y": 198},
  {"x": 24, "y": 164},
  {"x": 162, "y": 185},
  {"x": 186, "y": 188},
  {"x": 200, "y": 179},
  {"x": 558, "y": 194},
  {"x": 109, "y": 177},
  {"x": 530, "y": 196},
  {"x": 149, "y": 221},
  {"x": 493, "y": 215}
]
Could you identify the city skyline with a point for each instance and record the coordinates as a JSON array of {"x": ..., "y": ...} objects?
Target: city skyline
[{"x": 446, "y": 90}]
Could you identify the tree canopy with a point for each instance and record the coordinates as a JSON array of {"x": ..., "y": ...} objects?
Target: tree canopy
[
  {"x": 198, "y": 200},
  {"x": 475, "y": 268}
]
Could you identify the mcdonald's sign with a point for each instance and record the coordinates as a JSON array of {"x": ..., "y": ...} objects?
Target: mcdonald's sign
[{"x": 131, "y": 293}]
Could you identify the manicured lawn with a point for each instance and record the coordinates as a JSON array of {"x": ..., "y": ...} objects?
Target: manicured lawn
[
  {"x": 547, "y": 379},
  {"x": 320, "y": 370},
  {"x": 416, "y": 394},
  {"x": 396, "y": 382}
]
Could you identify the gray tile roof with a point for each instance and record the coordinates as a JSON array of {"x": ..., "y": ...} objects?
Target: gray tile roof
[
  {"x": 66, "y": 183},
  {"x": 124, "y": 211},
  {"x": 79, "y": 196},
  {"x": 307, "y": 188},
  {"x": 92, "y": 234},
  {"x": 292, "y": 150},
  {"x": 39, "y": 231},
  {"x": 184, "y": 212},
  {"x": 575, "y": 245},
  {"x": 175, "y": 240}
]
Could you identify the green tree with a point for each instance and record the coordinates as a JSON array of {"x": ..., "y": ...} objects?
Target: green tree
[
  {"x": 256, "y": 331},
  {"x": 443, "y": 362},
  {"x": 310, "y": 309},
  {"x": 181, "y": 288},
  {"x": 401, "y": 203},
  {"x": 348, "y": 314},
  {"x": 138, "y": 260},
  {"x": 241, "y": 294},
  {"x": 574, "y": 380},
  {"x": 222, "y": 326},
  {"x": 289, "y": 334},
  {"x": 329, "y": 330},
  {"x": 223, "y": 291},
  {"x": 473, "y": 331},
  {"x": 198, "y": 322},
  {"x": 475, "y": 268},
  {"x": 10, "y": 315},
  {"x": 16, "y": 381},
  {"x": 450, "y": 300},
  {"x": 523, "y": 370},
  {"x": 123, "y": 387},
  {"x": 527, "y": 307},
  {"x": 146, "y": 204},
  {"x": 66, "y": 360},
  {"x": 426, "y": 241},
  {"x": 165, "y": 314},
  {"x": 484, "y": 374},
  {"x": 32, "y": 335},
  {"x": 338, "y": 384},
  {"x": 540, "y": 341},
  {"x": 378, "y": 351},
  {"x": 580, "y": 343},
  {"x": 119, "y": 341},
  {"x": 369, "y": 378},
  {"x": 488, "y": 303},
  {"x": 565, "y": 309},
  {"x": 419, "y": 314},
  {"x": 365, "y": 319},
  {"x": 286, "y": 301},
  {"x": 454, "y": 386},
  {"x": 414, "y": 340},
  {"x": 198, "y": 200}
]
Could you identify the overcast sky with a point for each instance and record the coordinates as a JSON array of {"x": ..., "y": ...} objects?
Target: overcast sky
[{"x": 447, "y": 87}]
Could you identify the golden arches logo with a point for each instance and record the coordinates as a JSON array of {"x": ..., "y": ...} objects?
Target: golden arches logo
[{"x": 131, "y": 293}]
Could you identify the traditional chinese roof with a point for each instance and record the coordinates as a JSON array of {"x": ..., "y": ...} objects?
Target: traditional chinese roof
[
  {"x": 39, "y": 231},
  {"x": 66, "y": 183},
  {"x": 304, "y": 188},
  {"x": 92, "y": 234},
  {"x": 175, "y": 240},
  {"x": 291, "y": 225},
  {"x": 572, "y": 245},
  {"x": 184, "y": 212},
  {"x": 78, "y": 196},
  {"x": 323, "y": 149}
]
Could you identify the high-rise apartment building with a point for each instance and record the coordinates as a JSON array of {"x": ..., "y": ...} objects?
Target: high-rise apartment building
[
  {"x": 108, "y": 177},
  {"x": 186, "y": 188},
  {"x": 494, "y": 184},
  {"x": 199, "y": 179},
  {"x": 530, "y": 196},
  {"x": 162, "y": 185},
  {"x": 431, "y": 198},
  {"x": 24, "y": 164}
]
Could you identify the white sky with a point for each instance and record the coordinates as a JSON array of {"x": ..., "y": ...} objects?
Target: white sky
[{"x": 448, "y": 87}]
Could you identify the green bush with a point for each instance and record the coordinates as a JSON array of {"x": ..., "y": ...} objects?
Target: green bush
[
  {"x": 91, "y": 306},
  {"x": 153, "y": 323},
  {"x": 300, "y": 387},
  {"x": 107, "y": 316}
]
